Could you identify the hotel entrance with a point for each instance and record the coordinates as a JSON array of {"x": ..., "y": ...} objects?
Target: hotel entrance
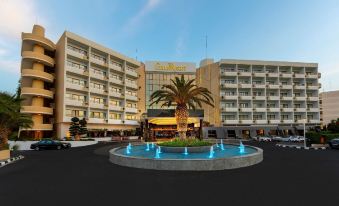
[{"x": 160, "y": 124}]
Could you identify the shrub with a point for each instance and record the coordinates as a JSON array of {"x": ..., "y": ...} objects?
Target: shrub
[
  {"x": 185, "y": 143},
  {"x": 15, "y": 147},
  {"x": 316, "y": 136}
]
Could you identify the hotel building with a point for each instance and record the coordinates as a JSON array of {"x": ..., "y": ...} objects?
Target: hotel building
[
  {"x": 77, "y": 78},
  {"x": 329, "y": 109},
  {"x": 260, "y": 97}
]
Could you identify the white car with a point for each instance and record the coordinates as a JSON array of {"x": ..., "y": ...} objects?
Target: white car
[
  {"x": 265, "y": 139},
  {"x": 277, "y": 138},
  {"x": 297, "y": 139}
]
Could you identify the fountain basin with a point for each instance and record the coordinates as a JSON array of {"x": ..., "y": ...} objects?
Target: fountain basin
[
  {"x": 222, "y": 160},
  {"x": 182, "y": 149}
]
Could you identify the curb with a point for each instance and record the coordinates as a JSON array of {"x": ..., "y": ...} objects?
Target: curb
[
  {"x": 300, "y": 147},
  {"x": 11, "y": 160}
]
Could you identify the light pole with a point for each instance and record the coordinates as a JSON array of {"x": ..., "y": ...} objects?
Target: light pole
[{"x": 304, "y": 121}]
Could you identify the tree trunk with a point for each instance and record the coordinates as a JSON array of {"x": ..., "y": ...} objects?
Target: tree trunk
[
  {"x": 181, "y": 116},
  {"x": 4, "y": 132}
]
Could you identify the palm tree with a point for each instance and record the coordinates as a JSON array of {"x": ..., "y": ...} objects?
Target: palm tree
[
  {"x": 10, "y": 117},
  {"x": 183, "y": 94}
]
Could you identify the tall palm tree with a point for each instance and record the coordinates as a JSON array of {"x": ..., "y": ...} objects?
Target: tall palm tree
[
  {"x": 10, "y": 117},
  {"x": 183, "y": 94}
]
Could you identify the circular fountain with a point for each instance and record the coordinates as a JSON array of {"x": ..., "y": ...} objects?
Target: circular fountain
[{"x": 217, "y": 157}]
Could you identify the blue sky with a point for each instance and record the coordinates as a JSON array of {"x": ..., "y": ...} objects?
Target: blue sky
[{"x": 174, "y": 30}]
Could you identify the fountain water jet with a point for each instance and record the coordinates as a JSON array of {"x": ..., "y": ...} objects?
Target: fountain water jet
[
  {"x": 157, "y": 153},
  {"x": 241, "y": 148},
  {"x": 211, "y": 152},
  {"x": 222, "y": 145},
  {"x": 147, "y": 146},
  {"x": 159, "y": 149},
  {"x": 152, "y": 145},
  {"x": 185, "y": 152}
]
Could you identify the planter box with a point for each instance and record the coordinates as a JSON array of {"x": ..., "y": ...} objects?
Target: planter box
[
  {"x": 182, "y": 149},
  {"x": 4, "y": 154}
]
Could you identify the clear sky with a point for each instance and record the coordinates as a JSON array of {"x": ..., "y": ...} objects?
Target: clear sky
[{"x": 174, "y": 30}]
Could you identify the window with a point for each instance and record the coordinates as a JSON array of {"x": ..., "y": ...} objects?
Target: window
[
  {"x": 100, "y": 115},
  {"x": 115, "y": 116},
  {"x": 131, "y": 117},
  {"x": 271, "y": 116},
  {"x": 257, "y": 117},
  {"x": 98, "y": 57},
  {"x": 243, "y": 105},
  {"x": 97, "y": 86},
  {"x": 98, "y": 100},
  {"x": 131, "y": 105},
  {"x": 284, "y": 116},
  {"x": 76, "y": 49},
  {"x": 75, "y": 113},
  {"x": 76, "y": 65},
  {"x": 76, "y": 81},
  {"x": 243, "y": 117}
]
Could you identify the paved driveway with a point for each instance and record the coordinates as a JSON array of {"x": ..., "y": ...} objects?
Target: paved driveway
[{"x": 84, "y": 176}]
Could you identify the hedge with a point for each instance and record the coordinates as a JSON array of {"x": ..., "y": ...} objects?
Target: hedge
[{"x": 315, "y": 136}]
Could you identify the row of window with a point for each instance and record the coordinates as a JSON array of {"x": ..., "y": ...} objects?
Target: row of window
[
  {"x": 99, "y": 115},
  {"x": 270, "y": 105},
  {"x": 232, "y": 81},
  {"x": 261, "y": 117}
]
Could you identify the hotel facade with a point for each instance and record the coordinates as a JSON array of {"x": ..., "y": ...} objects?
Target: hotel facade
[
  {"x": 260, "y": 97},
  {"x": 329, "y": 109},
  {"x": 77, "y": 77}
]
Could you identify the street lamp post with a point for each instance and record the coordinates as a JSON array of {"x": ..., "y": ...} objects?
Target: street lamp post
[{"x": 304, "y": 133}]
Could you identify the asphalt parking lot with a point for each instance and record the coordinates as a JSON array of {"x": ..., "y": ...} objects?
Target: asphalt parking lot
[{"x": 84, "y": 176}]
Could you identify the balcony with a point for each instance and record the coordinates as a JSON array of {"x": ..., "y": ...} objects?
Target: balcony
[
  {"x": 44, "y": 76},
  {"x": 274, "y": 121},
  {"x": 77, "y": 54},
  {"x": 244, "y": 74},
  {"x": 300, "y": 109},
  {"x": 273, "y": 86},
  {"x": 313, "y": 87},
  {"x": 229, "y": 109},
  {"x": 38, "y": 57},
  {"x": 297, "y": 75},
  {"x": 130, "y": 97},
  {"x": 300, "y": 98},
  {"x": 286, "y": 86},
  {"x": 260, "y": 121},
  {"x": 259, "y": 74},
  {"x": 287, "y": 121},
  {"x": 41, "y": 127},
  {"x": 98, "y": 76},
  {"x": 274, "y": 109},
  {"x": 260, "y": 109},
  {"x": 98, "y": 91},
  {"x": 259, "y": 86},
  {"x": 77, "y": 103},
  {"x": 246, "y": 109},
  {"x": 314, "y": 121},
  {"x": 131, "y": 73},
  {"x": 312, "y": 98},
  {"x": 115, "y": 67},
  {"x": 116, "y": 81},
  {"x": 77, "y": 70},
  {"x": 286, "y": 75},
  {"x": 259, "y": 97},
  {"x": 116, "y": 94},
  {"x": 272, "y": 75},
  {"x": 131, "y": 122},
  {"x": 231, "y": 121},
  {"x": 299, "y": 87},
  {"x": 288, "y": 98},
  {"x": 273, "y": 98},
  {"x": 76, "y": 87},
  {"x": 246, "y": 121},
  {"x": 313, "y": 109},
  {"x": 300, "y": 121},
  {"x": 99, "y": 62},
  {"x": 230, "y": 85},
  {"x": 37, "y": 92},
  {"x": 229, "y": 97},
  {"x": 115, "y": 121},
  {"x": 36, "y": 39},
  {"x": 229, "y": 73},
  {"x": 36, "y": 110},
  {"x": 245, "y": 85},
  {"x": 131, "y": 85},
  {"x": 98, "y": 106},
  {"x": 115, "y": 108},
  {"x": 312, "y": 76},
  {"x": 245, "y": 97},
  {"x": 131, "y": 110},
  {"x": 96, "y": 121},
  {"x": 287, "y": 109}
]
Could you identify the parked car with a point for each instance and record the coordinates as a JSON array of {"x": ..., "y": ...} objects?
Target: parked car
[
  {"x": 265, "y": 139},
  {"x": 277, "y": 138},
  {"x": 334, "y": 143},
  {"x": 50, "y": 144}
]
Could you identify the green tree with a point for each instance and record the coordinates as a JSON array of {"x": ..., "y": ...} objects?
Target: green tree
[
  {"x": 333, "y": 126},
  {"x": 83, "y": 126},
  {"x": 74, "y": 129},
  {"x": 10, "y": 117},
  {"x": 182, "y": 94}
]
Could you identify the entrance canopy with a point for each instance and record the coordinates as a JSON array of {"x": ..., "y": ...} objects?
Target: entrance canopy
[{"x": 167, "y": 116}]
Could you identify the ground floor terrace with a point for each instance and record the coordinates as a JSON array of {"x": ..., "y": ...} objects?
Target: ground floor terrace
[{"x": 84, "y": 176}]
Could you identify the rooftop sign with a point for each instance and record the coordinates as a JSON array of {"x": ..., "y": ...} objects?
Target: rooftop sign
[{"x": 180, "y": 67}]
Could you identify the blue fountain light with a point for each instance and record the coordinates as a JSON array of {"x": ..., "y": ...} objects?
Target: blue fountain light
[
  {"x": 211, "y": 152},
  {"x": 222, "y": 145},
  {"x": 128, "y": 149},
  {"x": 152, "y": 145},
  {"x": 159, "y": 149},
  {"x": 185, "y": 152},
  {"x": 241, "y": 148},
  {"x": 157, "y": 153},
  {"x": 147, "y": 146}
]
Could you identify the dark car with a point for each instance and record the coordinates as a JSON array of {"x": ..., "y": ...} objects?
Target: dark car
[
  {"x": 334, "y": 143},
  {"x": 50, "y": 144}
]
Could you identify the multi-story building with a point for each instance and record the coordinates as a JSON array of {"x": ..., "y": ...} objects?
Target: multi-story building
[
  {"x": 91, "y": 82},
  {"x": 329, "y": 109},
  {"x": 260, "y": 97}
]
